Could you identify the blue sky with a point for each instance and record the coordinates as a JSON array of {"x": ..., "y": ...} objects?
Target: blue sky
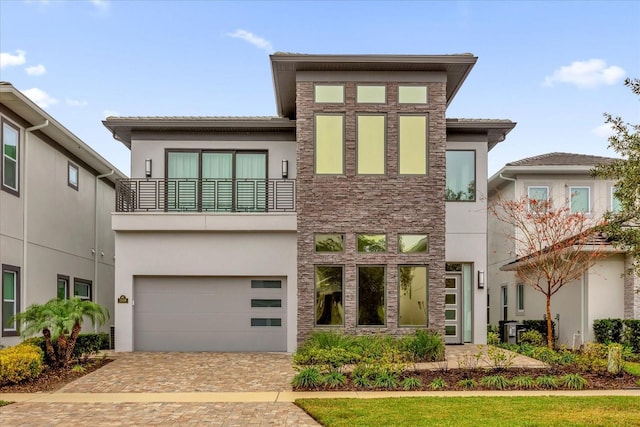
[{"x": 553, "y": 67}]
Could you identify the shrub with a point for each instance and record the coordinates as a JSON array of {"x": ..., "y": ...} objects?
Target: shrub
[
  {"x": 532, "y": 337},
  {"x": 386, "y": 379},
  {"x": 498, "y": 358},
  {"x": 20, "y": 363},
  {"x": 593, "y": 358},
  {"x": 411, "y": 383},
  {"x": 329, "y": 339},
  {"x": 467, "y": 383},
  {"x": 334, "y": 357},
  {"x": 77, "y": 368},
  {"x": 607, "y": 330},
  {"x": 425, "y": 346},
  {"x": 632, "y": 334},
  {"x": 574, "y": 382},
  {"x": 498, "y": 382},
  {"x": 307, "y": 378},
  {"x": 540, "y": 326},
  {"x": 547, "y": 381},
  {"x": 526, "y": 349},
  {"x": 469, "y": 361},
  {"x": 86, "y": 345},
  {"x": 493, "y": 338},
  {"x": 523, "y": 382},
  {"x": 334, "y": 379},
  {"x": 438, "y": 384}
]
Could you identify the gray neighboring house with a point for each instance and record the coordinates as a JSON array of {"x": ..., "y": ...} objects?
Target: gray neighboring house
[
  {"x": 55, "y": 213},
  {"x": 356, "y": 209},
  {"x": 603, "y": 292}
]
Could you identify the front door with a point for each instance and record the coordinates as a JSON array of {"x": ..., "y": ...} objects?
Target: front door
[{"x": 453, "y": 309}]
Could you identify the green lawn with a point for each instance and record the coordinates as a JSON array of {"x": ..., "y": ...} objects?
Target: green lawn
[
  {"x": 475, "y": 411},
  {"x": 633, "y": 368}
]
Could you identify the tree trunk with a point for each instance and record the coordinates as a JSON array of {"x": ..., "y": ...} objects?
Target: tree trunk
[
  {"x": 71, "y": 344},
  {"x": 62, "y": 349},
  {"x": 48, "y": 345},
  {"x": 549, "y": 323}
]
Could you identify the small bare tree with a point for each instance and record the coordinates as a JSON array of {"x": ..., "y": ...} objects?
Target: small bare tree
[{"x": 554, "y": 246}]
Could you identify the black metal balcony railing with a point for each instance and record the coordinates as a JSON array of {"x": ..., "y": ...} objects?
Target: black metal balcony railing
[{"x": 205, "y": 195}]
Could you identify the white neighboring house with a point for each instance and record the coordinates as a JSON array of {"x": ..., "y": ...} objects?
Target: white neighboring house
[
  {"x": 59, "y": 193},
  {"x": 604, "y": 291}
]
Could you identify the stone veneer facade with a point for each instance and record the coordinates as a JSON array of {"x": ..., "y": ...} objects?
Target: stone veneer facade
[
  {"x": 385, "y": 204},
  {"x": 631, "y": 290}
]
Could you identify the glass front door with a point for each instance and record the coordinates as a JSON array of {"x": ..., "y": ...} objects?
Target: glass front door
[{"x": 453, "y": 310}]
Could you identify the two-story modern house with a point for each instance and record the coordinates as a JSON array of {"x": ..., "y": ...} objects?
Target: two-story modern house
[
  {"x": 56, "y": 199},
  {"x": 604, "y": 291},
  {"x": 356, "y": 209}
]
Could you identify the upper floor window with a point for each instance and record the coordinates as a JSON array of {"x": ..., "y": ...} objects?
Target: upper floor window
[
  {"x": 615, "y": 202},
  {"x": 82, "y": 289},
  {"x": 579, "y": 199},
  {"x": 461, "y": 175},
  {"x": 520, "y": 296},
  {"x": 412, "y": 144},
  {"x": 329, "y": 144},
  {"x": 537, "y": 194},
  {"x": 412, "y": 94},
  {"x": 371, "y": 132},
  {"x": 413, "y": 243},
  {"x": 330, "y": 94},
  {"x": 63, "y": 287},
  {"x": 10, "y": 299},
  {"x": 72, "y": 176},
  {"x": 370, "y": 94},
  {"x": 10, "y": 159},
  {"x": 329, "y": 242},
  {"x": 372, "y": 243}
]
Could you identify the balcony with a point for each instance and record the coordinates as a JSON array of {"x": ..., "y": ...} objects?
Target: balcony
[{"x": 205, "y": 195}]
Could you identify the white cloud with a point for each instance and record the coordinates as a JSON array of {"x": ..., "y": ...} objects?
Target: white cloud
[
  {"x": 110, "y": 113},
  {"x": 40, "y": 97},
  {"x": 76, "y": 103},
  {"x": 36, "y": 70},
  {"x": 257, "y": 41},
  {"x": 8, "y": 60},
  {"x": 603, "y": 131},
  {"x": 100, "y": 4},
  {"x": 590, "y": 73}
]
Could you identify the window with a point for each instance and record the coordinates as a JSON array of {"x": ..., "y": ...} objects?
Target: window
[
  {"x": 10, "y": 299},
  {"x": 412, "y": 94},
  {"x": 259, "y": 303},
  {"x": 372, "y": 243},
  {"x": 72, "y": 176},
  {"x": 63, "y": 287},
  {"x": 520, "y": 295},
  {"x": 266, "y": 284},
  {"x": 461, "y": 176},
  {"x": 266, "y": 322},
  {"x": 371, "y": 295},
  {"x": 413, "y": 243},
  {"x": 329, "y": 147},
  {"x": 413, "y": 307},
  {"x": 615, "y": 202},
  {"x": 369, "y": 94},
  {"x": 537, "y": 194},
  {"x": 82, "y": 289},
  {"x": 329, "y": 289},
  {"x": 579, "y": 199},
  {"x": 329, "y": 94},
  {"x": 504, "y": 302},
  {"x": 329, "y": 242},
  {"x": 412, "y": 145},
  {"x": 371, "y": 144},
  {"x": 10, "y": 158}
]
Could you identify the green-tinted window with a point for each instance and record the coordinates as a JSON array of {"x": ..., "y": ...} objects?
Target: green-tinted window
[
  {"x": 368, "y": 94},
  {"x": 260, "y": 303},
  {"x": 266, "y": 322},
  {"x": 412, "y": 94},
  {"x": 413, "y": 291},
  {"x": 329, "y": 289},
  {"x": 63, "y": 288},
  {"x": 329, "y": 242},
  {"x": 616, "y": 206},
  {"x": 461, "y": 176},
  {"x": 329, "y": 155},
  {"x": 10, "y": 162},
  {"x": 538, "y": 193},
  {"x": 413, "y": 243},
  {"x": 82, "y": 289},
  {"x": 372, "y": 243},
  {"x": 329, "y": 94},
  {"x": 10, "y": 291},
  {"x": 371, "y": 295},
  {"x": 266, "y": 284},
  {"x": 371, "y": 144},
  {"x": 580, "y": 199},
  {"x": 413, "y": 145}
]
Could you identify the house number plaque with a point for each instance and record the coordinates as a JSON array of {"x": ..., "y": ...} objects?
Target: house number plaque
[{"x": 123, "y": 300}]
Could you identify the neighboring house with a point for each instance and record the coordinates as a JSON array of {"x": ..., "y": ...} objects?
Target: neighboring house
[
  {"x": 249, "y": 233},
  {"x": 604, "y": 291},
  {"x": 55, "y": 213}
]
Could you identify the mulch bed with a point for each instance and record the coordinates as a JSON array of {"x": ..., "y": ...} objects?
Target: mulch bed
[{"x": 55, "y": 379}]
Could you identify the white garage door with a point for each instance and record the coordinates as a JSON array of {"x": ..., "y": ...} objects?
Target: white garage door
[{"x": 209, "y": 314}]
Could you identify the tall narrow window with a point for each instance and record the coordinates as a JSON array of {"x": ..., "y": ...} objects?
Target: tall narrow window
[
  {"x": 413, "y": 299},
  {"x": 615, "y": 202},
  {"x": 182, "y": 185},
  {"x": 72, "y": 176},
  {"x": 371, "y": 144},
  {"x": 579, "y": 199},
  {"x": 10, "y": 158},
  {"x": 371, "y": 295},
  {"x": 63, "y": 287},
  {"x": 413, "y": 145},
  {"x": 329, "y": 147},
  {"x": 461, "y": 175},
  {"x": 329, "y": 309},
  {"x": 504, "y": 303},
  {"x": 10, "y": 299},
  {"x": 520, "y": 292},
  {"x": 82, "y": 289}
]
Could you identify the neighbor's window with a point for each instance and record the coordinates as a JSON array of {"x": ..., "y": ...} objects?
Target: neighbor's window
[
  {"x": 371, "y": 133},
  {"x": 10, "y": 160},
  {"x": 412, "y": 94},
  {"x": 329, "y": 290},
  {"x": 615, "y": 202},
  {"x": 329, "y": 242},
  {"x": 62, "y": 291},
  {"x": 329, "y": 147},
  {"x": 537, "y": 194},
  {"x": 461, "y": 175},
  {"x": 371, "y": 295},
  {"x": 370, "y": 94},
  {"x": 82, "y": 289},
  {"x": 413, "y": 243},
  {"x": 72, "y": 176},
  {"x": 412, "y": 145},
  {"x": 10, "y": 299},
  {"x": 579, "y": 199},
  {"x": 372, "y": 242},
  {"x": 520, "y": 295},
  {"x": 413, "y": 289},
  {"x": 329, "y": 94}
]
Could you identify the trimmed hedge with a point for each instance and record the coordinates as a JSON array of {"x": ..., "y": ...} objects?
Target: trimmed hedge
[
  {"x": 626, "y": 332},
  {"x": 20, "y": 363},
  {"x": 86, "y": 345}
]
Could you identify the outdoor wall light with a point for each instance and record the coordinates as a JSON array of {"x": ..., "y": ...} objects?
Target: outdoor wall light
[
  {"x": 480, "y": 279},
  {"x": 285, "y": 168},
  {"x": 147, "y": 168}
]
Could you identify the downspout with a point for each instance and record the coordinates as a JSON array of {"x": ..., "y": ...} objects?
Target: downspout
[
  {"x": 25, "y": 211},
  {"x": 95, "y": 257}
]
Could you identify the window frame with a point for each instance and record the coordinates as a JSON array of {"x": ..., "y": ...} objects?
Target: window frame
[
  {"x": 67, "y": 285},
  {"x": 426, "y": 267},
  {"x": 520, "y": 299},
  {"x": 385, "y": 144},
  {"x": 72, "y": 166},
  {"x": 343, "y": 85},
  {"x": 588, "y": 188},
  {"x": 6, "y": 331},
  {"x": 385, "y": 288},
  {"x": 475, "y": 176},
  {"x": 14, "y": 191},
  {"x": 89, "y": 283},
  {"x": 315, "y": 295},
  {"x": 426, "y": 144},
  {"x": 383, "y": 85}
]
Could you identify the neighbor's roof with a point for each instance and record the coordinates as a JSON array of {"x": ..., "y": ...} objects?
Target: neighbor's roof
[
  {"x": 22, "y": 106},
  {"x": 562, "y": 159},
  {"x": 285, "y": 66}
]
